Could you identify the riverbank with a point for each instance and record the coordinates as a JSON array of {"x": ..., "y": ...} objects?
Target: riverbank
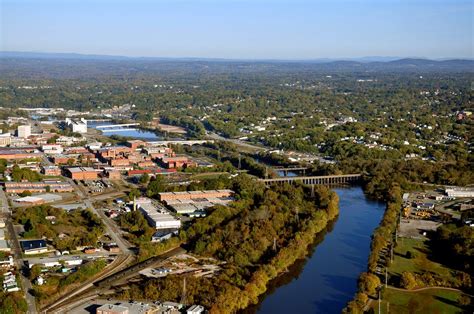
[{"x": 325, "y": 279}]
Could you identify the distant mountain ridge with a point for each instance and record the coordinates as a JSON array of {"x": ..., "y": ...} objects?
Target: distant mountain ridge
[
  {"x": 14, "y": 65},
  {"x": 367, "y": 59}
]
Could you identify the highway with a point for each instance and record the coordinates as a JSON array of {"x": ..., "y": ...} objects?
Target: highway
[{"x": 237, "y": 142}]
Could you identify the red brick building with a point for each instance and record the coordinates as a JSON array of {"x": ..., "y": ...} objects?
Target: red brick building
[
  {"x": 82, "y": 173},
  {"x": 51, "y": 171},
  {"x": 177, "y": 162}
]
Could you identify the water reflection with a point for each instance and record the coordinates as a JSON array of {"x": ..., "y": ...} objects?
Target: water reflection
[{"x": 326, "y": 280}]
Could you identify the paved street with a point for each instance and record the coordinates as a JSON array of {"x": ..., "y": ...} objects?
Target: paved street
[
  {"x": 111, "y": 229},
  {"x": 19, "y": 263}
]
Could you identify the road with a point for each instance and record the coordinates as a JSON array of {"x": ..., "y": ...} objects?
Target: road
[
  {"x": 19, "y": 263},
  {"x": 110, "y": 228},
  {"x": 237, "y": 142},
  {"x": 4, "y": 208},
  {"x": 5, "y": 213},
  {"x": 254, "y": 148}
]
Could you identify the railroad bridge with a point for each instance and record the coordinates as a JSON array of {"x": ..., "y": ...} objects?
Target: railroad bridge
[{"x": 317, "y": 180}]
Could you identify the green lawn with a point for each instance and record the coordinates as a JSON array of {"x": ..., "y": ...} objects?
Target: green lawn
[
  {"x": 431, "y": 301},
  {"x": 419, "y": 263}
]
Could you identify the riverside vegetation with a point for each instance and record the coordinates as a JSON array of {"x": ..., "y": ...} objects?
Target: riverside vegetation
[{"x": 261, "y": 234}]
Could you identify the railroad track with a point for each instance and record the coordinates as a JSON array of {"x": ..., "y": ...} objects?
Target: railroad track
[
  {"x": 105, "y": 280},
  {"x": 117, "y": 265}
]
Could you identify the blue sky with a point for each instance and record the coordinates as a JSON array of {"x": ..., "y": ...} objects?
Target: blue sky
[{"x": 243, "y": 29}]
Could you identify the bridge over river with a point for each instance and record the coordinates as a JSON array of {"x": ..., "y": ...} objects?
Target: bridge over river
[{"x": 315, "y": 180}]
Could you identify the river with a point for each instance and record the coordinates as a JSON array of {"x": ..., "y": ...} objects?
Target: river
[
  {"x": 326, "y": 279},
  {"x": 135, "y": 133}
]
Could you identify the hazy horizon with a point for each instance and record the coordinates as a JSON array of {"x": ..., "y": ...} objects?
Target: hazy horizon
[{"x": 241, "y": 29}]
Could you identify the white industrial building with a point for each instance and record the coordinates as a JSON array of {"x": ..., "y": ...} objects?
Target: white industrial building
[
  {"x": 158, "y": 217},
  {"x": 459, "y": 192},
  {"x": 52, "y": 149},
  {"x": 77, "y": 126},
  {"x": 54, "y": 261},
  {"x": 24, "y": 131},
  {"x": 5, "y": 139}
]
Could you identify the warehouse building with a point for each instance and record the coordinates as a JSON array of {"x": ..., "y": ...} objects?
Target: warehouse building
[
  {"x": 82, "y": 173},
  {"x": 39, "y": 199},
  {"x": 459, "y": 192},
  {"x": 16, "y": 154},
  {"x": 52, "y": 171},
  {"x": 38, "y": 187},
  {"x": 158, "y": 217},
  {"x": 189, "y": 195}
]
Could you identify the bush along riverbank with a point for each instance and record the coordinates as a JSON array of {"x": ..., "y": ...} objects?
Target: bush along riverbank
[
  {"x": 383, "y": 239},
  {"x": 407, "y": 264}
]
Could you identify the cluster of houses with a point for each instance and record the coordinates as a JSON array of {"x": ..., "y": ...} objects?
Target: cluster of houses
[{"x": 9, "y": 282}]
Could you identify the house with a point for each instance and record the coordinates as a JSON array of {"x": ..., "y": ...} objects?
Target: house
[
  {"x": 4, "y": 246},
  {"x": 30, "y": 247},
  {"x": 7, "y": 262}
]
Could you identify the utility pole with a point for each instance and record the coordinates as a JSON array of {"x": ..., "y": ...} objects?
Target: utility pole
[
  {"x": 240, "y": 165},
  {"x": 274, "y": 244},
  {"x": 218, "y": 155},
  {"x": 391, "y": 252},
  {"x": 388, "y": 306},
  {"x": 380, "y": 288},
  {"x": 183, "y": 295},
  {"x": 386, "y": 277}
]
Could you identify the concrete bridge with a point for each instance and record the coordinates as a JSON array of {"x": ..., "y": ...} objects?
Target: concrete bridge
[
  {"x": 114, "y": 126},
  {"x": 317, "y": 180},
  {"x": 285, "y": 170},
  {"x": 179, "y": 142}
]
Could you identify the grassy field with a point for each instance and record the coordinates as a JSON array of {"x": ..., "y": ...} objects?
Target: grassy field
[
  {"x": 419, "y": 262},
  {"x": 431, "y": 301}
]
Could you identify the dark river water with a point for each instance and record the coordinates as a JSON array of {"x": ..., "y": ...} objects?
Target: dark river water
[{"x": 327, "y": 279}]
